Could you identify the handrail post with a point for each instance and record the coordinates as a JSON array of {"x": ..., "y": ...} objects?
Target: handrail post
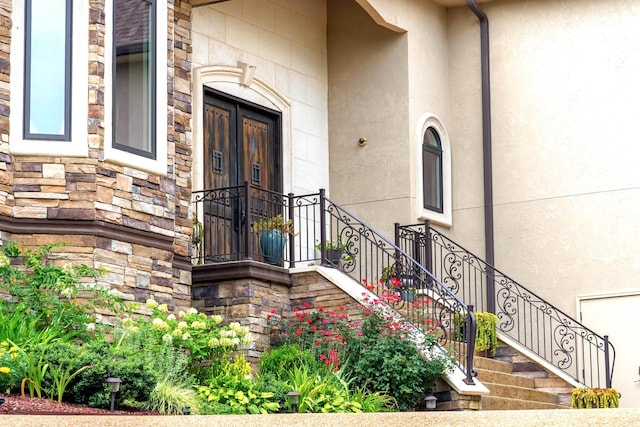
[
  {"x": 428, "y": 264},
  {"x": 292, "y": 242},
  {"x": 323, "y": 229},
  {"x": 248, "y": 249},
  {"x": 471, "y": 344},
  {"x": 606, "y": 361}
]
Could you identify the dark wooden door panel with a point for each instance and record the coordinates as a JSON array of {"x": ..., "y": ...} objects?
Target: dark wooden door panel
[{"x": 241, "y": 143}]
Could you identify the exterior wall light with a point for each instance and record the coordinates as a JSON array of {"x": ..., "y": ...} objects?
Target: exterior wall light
[
  {"x": 114, "y": 387},
  {"x": 294, "y": 398},
  {"x": 430, "y": 402}
]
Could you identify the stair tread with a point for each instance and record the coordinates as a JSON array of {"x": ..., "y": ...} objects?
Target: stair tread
[
  {"x": 492, "y": 364},
  {"x": 506, "y": 403},
  {"x": 497, "y": 377},
  {"x": 521, "y": 393}
]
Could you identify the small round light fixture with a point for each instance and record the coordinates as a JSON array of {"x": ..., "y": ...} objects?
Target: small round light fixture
[
  {"x": 430, "y": 402},
  {"x": 294, "y": 399},
  {"x": 114, "y": 387}
]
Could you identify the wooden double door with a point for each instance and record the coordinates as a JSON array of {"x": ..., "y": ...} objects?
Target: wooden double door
[{"x": 242, "y": 142}]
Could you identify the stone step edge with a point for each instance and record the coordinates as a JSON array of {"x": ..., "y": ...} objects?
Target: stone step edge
[
  {"x": 524, "y": 403},
  {"x": 532, "y": 395}
]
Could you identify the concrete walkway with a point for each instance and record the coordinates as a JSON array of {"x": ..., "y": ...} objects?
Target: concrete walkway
[{"x": 563, "y": 417}]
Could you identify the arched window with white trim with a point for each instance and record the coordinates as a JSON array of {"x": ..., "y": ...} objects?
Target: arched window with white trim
[{"x": 434, "y": 173}]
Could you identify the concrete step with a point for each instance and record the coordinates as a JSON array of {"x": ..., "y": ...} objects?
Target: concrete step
[
  {"x": 504, "y": 403},
  {"x": 496, "y": 377},
  {"x": 521, "y": 393},
  {"x": 491, "y": 364}
]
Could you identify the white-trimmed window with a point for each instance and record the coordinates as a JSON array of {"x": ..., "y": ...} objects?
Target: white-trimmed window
[
  {"x": 136, "y": 84},
  {"x": 49, "y": 77},
  {"x": 434, "y": 175}
]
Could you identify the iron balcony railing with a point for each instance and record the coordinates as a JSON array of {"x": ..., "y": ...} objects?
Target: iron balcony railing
[
  {"x": 226, "y": 223},
  {"x": 523, "y": 316}
]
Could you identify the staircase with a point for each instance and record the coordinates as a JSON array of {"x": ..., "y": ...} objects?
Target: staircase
[{"x": 515, "y": 382}]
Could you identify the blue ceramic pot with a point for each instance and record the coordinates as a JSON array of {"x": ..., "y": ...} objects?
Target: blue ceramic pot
[{"x": 271, "y": 244}]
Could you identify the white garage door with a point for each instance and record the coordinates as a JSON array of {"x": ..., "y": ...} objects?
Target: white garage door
[{"x": 616, "y": 316}]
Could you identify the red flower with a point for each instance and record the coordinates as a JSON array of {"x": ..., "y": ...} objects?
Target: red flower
[
  {"x": 299, "y": 331},
  {"x": 341, "y": 308}
]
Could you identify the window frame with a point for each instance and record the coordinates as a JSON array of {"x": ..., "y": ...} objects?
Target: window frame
[
  {"x": 68, "y": 90},
  {"x": 75, "y": 144},
  {"x": 120, "y": 153},
  {"x": 444, "y": 217},
  {"x": 437, "y": 152}
]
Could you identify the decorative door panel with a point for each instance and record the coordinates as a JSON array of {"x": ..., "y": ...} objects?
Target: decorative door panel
[{"x": 241, "y": 143}]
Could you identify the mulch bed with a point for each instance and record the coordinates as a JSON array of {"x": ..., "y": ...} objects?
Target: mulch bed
[{"x": 16, "y": 405}]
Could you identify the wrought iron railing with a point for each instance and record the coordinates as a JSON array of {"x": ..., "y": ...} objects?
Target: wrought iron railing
[
  {"x": 225, "y": 229},
  {"x": 523, "y": 316}
]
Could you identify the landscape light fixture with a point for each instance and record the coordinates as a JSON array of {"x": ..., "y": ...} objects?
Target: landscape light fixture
[
  {"x": 294, "y": 398},
  {"x": 114, "y": 386},
  {"x": 430, "y": 402}
]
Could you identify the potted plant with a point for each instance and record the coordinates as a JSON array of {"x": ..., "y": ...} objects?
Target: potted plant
[
  {"x": 486, "y": 330},
  {"x": 404, "y": 284},
  {"x": 595, "y": 398},
  {"x": 334, "y": 251},
  {"x": 272, "y": 236}
]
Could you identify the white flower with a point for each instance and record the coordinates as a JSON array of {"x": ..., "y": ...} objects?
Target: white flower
[
  {"x": 151, "y": 303},
  {"x": 166, "y": 338},
  {"x": 171, "y": 317},
  {"x": 186, "y": 336},
  {"x": 182, "y": 325},
  {"x": 4, "y": 261},
  {"x": 98, "y": 318},
  {"x": 181, "y": 313},
  {"x": 163, "y": 308},
  {"x": 193, "y": 310},
  {"x": 217, "y": 319},
  {"x": 91, "y": 327},
  {"x": 198, "y": 325},
  {"x": 67, "y": 268},
  {"x": 67, "y": 292}
]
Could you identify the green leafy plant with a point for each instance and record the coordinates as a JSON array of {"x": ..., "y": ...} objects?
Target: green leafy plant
[
  {"x": 203, "y": 339},
  {"x": 171, "y": 398},
  {"x": 276, "y": 222},
  {"x": 595, "y": 398},
  {"x": 486, "y": 330},
  {"x": 233, "y": 390},
  {"x": 377, "y": 352},
  {"x": 11, "y": 367},
  {"x": 65, "y": 296}
]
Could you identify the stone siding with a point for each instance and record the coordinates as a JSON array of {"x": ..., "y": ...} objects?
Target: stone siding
[{"x": 76, "y": 192}]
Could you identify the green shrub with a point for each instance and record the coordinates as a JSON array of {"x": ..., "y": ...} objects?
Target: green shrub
[
  {"x": 394, "y": 366},
  {"x": 138, "y": 380},
  {"x": 279, "y": 362}
]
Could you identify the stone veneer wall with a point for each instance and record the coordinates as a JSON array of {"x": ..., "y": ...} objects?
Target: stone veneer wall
[
  {"x": 249, "y": 301},
  {"x": 135, "y": 223}
]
